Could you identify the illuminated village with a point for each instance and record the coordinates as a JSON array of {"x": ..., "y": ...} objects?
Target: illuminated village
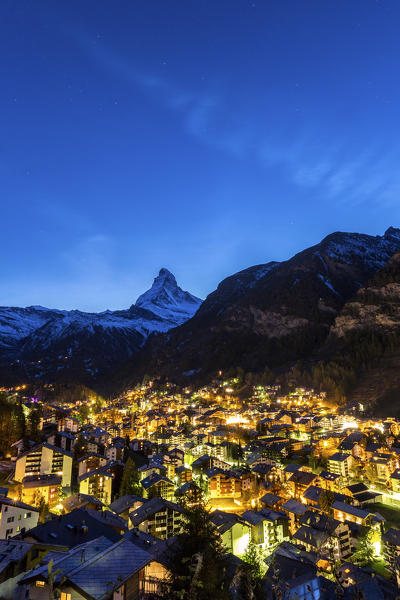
[{"x": 290, "y": 482}]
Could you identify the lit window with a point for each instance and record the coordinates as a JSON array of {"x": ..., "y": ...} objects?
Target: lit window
[
  {"x": 65, "y": 596},
  {"x": 39, "y": 583}
]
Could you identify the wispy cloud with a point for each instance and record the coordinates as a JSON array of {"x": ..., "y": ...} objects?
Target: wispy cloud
[{"x": 338, "y": 171}]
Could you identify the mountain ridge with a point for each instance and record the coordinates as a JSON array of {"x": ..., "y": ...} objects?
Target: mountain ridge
[
  {"x": 275, "y": 319},
  {"x": 49, "y": 341},
  {"x": 295, "y": 319}
]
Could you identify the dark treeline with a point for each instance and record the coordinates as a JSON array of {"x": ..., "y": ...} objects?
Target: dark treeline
[{"x": 13, "y": 423}]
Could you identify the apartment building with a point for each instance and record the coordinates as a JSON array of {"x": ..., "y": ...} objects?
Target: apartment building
[
  {"x": 45, "y": 459},
  {"x": 16, "y": 517}
]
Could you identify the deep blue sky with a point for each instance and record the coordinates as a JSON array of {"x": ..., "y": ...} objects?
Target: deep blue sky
[{"x": 200, "y": 135}]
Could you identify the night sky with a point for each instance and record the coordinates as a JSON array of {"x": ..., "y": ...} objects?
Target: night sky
[{"x": 203, "y": 136}]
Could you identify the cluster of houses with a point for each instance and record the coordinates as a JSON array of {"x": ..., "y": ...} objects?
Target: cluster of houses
[{"x": 300, "y": 482}]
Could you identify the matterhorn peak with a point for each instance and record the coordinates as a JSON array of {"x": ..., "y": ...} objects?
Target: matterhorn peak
[
  {"x": 167, "y": 300},
  {"x": 165, "y": 275}
]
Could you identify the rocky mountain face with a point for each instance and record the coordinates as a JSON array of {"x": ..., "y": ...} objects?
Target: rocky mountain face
[
  {"x": 272, "y": 314},
  {"x": 365, "y": 342},
  {"x": 40, "y": 343}
]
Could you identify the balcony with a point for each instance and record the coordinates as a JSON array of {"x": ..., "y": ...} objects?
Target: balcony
[{"x": 150, "y": 588}]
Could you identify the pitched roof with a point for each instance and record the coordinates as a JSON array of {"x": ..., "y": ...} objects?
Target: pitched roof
[
  {"x": 271, "y": 499},
  {"x": 103, "y": 471},
  {"x": 12, "y": 551},
  {"x": 357, "y": 488},
  {"x": 151, "y": 507},
  {"x": 76, "y": 527},
  {"x": 319, "y": 521},
  {"x": 329, "y": 476},
  {"x": 17, "y": 504},
  {"x": 153, "y": 479},
  {"x": 254, "y": 518},
  {"x": 45, "y": 445},
  {"x": 295, "y": 507},
  {"x": 292, "y": 468},
  {"x": 80, "y": 500},
  {"x": 68, "y": 561},
  {"x": 351, "y": 510},
  {"x": 34, "y": 481},
  {"x": 303, "y": 477},
  {"x": 311, "y": 536},
  {"x": 117, "y": 563},
  {"x": 224, "y": 521},
  {"x": 123, "y": 503},
  {"x": 96, "y": 567},
  {"x": 339, "y": 457},
  {"x": 392, "y": 536},
  {"x": 396, "y": 474}
]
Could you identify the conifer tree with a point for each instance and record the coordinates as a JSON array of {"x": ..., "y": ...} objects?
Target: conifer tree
[
  {"x": 365, "y": 554},
  {"x": 130, "y": 483},
  {"x": 255, "y": 559},
  {"x": 198, "y": 562}
]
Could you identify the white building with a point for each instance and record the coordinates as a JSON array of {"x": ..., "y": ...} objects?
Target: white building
[{"x": 16, "y": 517}]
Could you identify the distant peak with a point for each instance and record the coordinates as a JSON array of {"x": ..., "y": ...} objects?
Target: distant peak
[
  {"x": 166, "y": 274},
  {"x": 167, "y": 300},
  {"x": 392, "y": 232}
]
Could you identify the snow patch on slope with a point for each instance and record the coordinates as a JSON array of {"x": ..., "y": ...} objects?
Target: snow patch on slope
[{"x": 374, "y": 251}]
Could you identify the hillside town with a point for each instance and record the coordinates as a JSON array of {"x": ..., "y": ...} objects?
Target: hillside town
[{"x": 305, "y": 492}]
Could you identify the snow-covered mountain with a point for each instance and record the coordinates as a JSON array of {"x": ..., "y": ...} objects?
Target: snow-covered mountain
[
  {"x": 44, "y": 341},
  {"x": 167, "y": 300},
  {"x": 18, "y": 323}
]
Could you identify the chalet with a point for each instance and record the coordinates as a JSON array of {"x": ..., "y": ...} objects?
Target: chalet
[
  {"x": 17, "y": 557},
  {"x": 380, "y": 467},
  {"x": 300, "y": 481},
  {"x": 329, "y": 481},
  {"x": 294, "y": 511},
  {"x": 272, "y": 501},
  {"x": 97, "y": 483},
  {"x": 183, "y": 474},
  {"x": 68, "y": 423},
  {"x": 62, "y": 439},
  {"x": 124, "y": 505},
  {"x": 223, "y": 484},
  {"x": 96, "y": 570},
  {"x": 354, "y": 514},
  {"x": 159, "y": 518},
  {"x": 234, "y": 530},
  {"x": 322, "y": 534},
  {"x": 268, "y": 528},
  {"x": 158, "y": 485},
  {"x": 91, "y": 462},
  {"x": 35, "y": 487},
  {"x": 206, "y": 462},
  {"x": 153, "y": 467}
]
